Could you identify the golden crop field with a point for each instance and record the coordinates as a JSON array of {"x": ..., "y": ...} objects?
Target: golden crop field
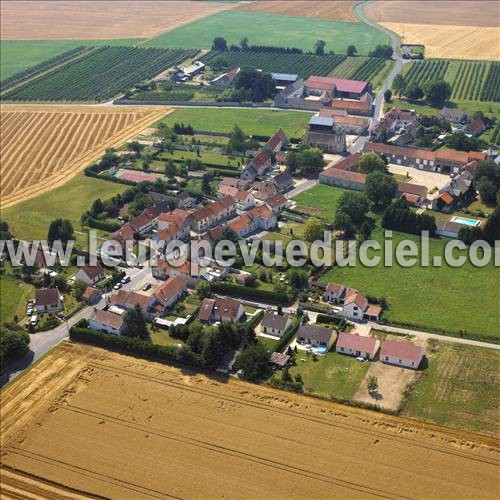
[
  {"x": 451, "y": 42},
  {"x": 322, "y": 9},
  {"x": 44, "y": 146},
  {"x": 105, "y": 424},
  {"x": 94, "y": 19}
]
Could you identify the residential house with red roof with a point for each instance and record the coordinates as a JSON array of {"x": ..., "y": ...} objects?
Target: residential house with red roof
[
  {"x": 212, "y": 214},
  {"x": 90, "y": 275},
  {"x": 277, "y": 203},
  {"x": 278, "y": 141},
  {"x": 354, "y": 304},
  {"x": 168, "y": 293},
  {"x": 108, "y": 322},
  {"x": 263, "y": 190},
  {"x": 401, "y": 354},
  {"x": 356, "y": 345},
  {"x": 244, "y": 199},
  {"x": 218, "y": 309},
  {"x": 226, "y": 80},
  {"x": 91, "y": 295},
  {"x": 48, "y": 300},
  {"x": 257, "y": 166}
]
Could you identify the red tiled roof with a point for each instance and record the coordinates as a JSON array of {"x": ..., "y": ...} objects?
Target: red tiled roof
[
  {"x": 261, "y": 159},
  {"x": 345, "y": 175},
  {"x": 261, "y": 211},
  {"x": 413, "y": 199},
  {"x": 357, "y": 342},
  {"x": 335, "y": 288},
  {"x": 342, "y": 85},
  {"x": 276, "y": 201},
  {"x": 206, "y": 309},
  {"x": 47, "y": 297},
  {"x": 476, "y": 155},
  {"x": 458, "y": 156},
  {"x": 140, "y": 221},
  {"x": 108, "y": 319},
  {"x": 415, "y": 189},
  {"x": 373, "y": 310},
  {"x": 446, "y": 198},
  {"x": 346, "y": 163},
  {"x": 170, "y": 288},
  {"x": 240, "y": 222},
  {"x": 227, "y": 308},
  {"x": 278, "y": 137},
  {"x": 349, "y": 120},
  {"x": 398, "y": 150},
  {"x": 401, "y": 350},
  {"x": 122, "y": 298},
  {"x": 93, "y": 271},
  {"x": 357, "y": 298},
  {"x": 89, "y": 291},
  {"x": 233, "y": 72},
  {"x": 346, "y": 104}
]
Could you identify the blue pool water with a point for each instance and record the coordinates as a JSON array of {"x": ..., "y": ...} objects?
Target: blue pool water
[
  {"x": 467, "y": 222},
  {"x": 321, "y": 350}
]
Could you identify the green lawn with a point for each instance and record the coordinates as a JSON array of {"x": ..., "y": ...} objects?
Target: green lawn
[
  {"x": 470, "y": 107},
  {"x": 444, "y": 298},
  {"x": 14, "y": 295},
  {"x": 162, "y": 337},
  {"x": 252, "y": 121},
  {"x": 460, "y": 388},
  {"x": 320, "y": 201},
  {"x": 268, "y": 343},
  {"x": 30, "y": 219},
  {"x": 18, "y": 55},
  {"x": 271, "y": 29},
  {"x": 334, "y": 375},
  {"x": 205, "y": 156}
]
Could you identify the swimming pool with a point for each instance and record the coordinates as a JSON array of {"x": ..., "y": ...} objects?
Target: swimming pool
[{"x": 467, "y": 222}]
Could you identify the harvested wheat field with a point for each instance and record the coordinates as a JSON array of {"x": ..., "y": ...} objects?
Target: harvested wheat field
[
  {"x": 87, "y": 421},
  {"x": 451, "y": 42},
  {"x": 94, "y": 19},
  {"x": 453, "y": 12},
  {"x": 44, "y": 146},
  {"x": 322, "y": 9}
]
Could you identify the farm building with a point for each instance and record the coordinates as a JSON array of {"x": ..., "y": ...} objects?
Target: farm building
[
  {"x": 325, "y": 135},
  {"x": 227, "y": 79},
  {"x": 284, "y": 79},
  {"x": 316, "y": 336},
  {"x": 48, "y": 300},
  {"x": 107, "y": 322},
  {"x": 338, "y": 87},
  {"x": 275, "y": 324},
  {"x": 343, "y": 178},
  {"x": 401, "y": 354},
  {"x": 356, "y": 345}
]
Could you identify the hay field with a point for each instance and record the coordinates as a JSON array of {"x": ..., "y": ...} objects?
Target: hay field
[
  {"x": 451, "y": 42},
  {"x": 42, "y": 147},
  {"x": 101, "y": 423},
  {"x": 69, "y": 20},
  {"x": 323, "y": 9},
  {"x": 452, "y": 12}
]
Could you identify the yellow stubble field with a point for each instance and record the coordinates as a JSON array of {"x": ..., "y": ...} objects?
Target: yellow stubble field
[
  {"x": 44, "y": 146},
  {"x": 86, "y": 422}
]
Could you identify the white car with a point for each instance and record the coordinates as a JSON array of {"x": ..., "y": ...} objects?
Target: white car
[
  {"x": 361, "y": 359},
  {"x": 125, "y": 280},
  {"x": 117, "y": 286},
  {"x": 33, "y": 320},
  {"x": 29, "y": 311}
]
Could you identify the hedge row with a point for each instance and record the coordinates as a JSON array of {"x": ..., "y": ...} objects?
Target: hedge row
[
  {"x": 334, "y": 320},
  {"x": 288, "y": 335},
  {"x": 250, "y": 293},
  {"x": 103, "y": 225},
  {"x": 137, "y": 346}
]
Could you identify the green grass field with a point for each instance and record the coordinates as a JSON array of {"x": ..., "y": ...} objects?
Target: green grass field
[
  {"x": 271, "y": 29},
  {"x": 205, "y": 156},
  {"x": 320, "y": 201},
  {"x": 14, "y": 295},
  {"x": 18, "y": 55},
  {"x": 30, "y": 219},
  {"x": 460, "y": 388},
  {"x": 252, "y": 121},
  {"x": 331, "y": 375},
  {"x": 444, "y": 298}
]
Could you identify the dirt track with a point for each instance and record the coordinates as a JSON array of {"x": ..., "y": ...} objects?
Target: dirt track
[
  {"x": 42, "y": 147},
  {"x": 94, "y": 19},
  {"x": 461, "y": 12},
  {"x": 322, "y": 9},
  {"x": 113, "y": 425}
]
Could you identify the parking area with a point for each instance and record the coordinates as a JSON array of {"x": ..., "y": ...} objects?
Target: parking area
[{"x": 430, "y": 180}]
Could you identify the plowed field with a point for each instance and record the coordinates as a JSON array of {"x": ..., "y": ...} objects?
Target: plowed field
[
  {"x": 43, "y": 146},
  {"x": 340, "y": 11},
  {"x": 105, "y": 424}
]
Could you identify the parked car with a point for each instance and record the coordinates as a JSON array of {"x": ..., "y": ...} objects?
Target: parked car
[
  {"x": 34, "y": 320},
  {"x": 147, "y": 286},
  {"x": 117, "y": 286},
  {"x": 125, "y": 280},
  {"x": 29, "y": 311},
  {"x": 361, "y": 359}
]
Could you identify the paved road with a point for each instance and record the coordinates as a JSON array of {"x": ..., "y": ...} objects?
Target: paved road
[
  {"x": 43, "y": 342},
  {"x": 379, "y": 100}
]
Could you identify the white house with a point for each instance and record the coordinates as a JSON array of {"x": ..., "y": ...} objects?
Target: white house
[
  {"x": 90, "y": 275},
  {"x": 401, "y": 354},
  {"x": 354, "y": 304},
  {"x": 275, "y": 324},
  {"x": 354, "y": 344},
  {"x": 107, "y": 321},
  {"x": 48, "y": 300},
  {"x": 220, "y": 310}
]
